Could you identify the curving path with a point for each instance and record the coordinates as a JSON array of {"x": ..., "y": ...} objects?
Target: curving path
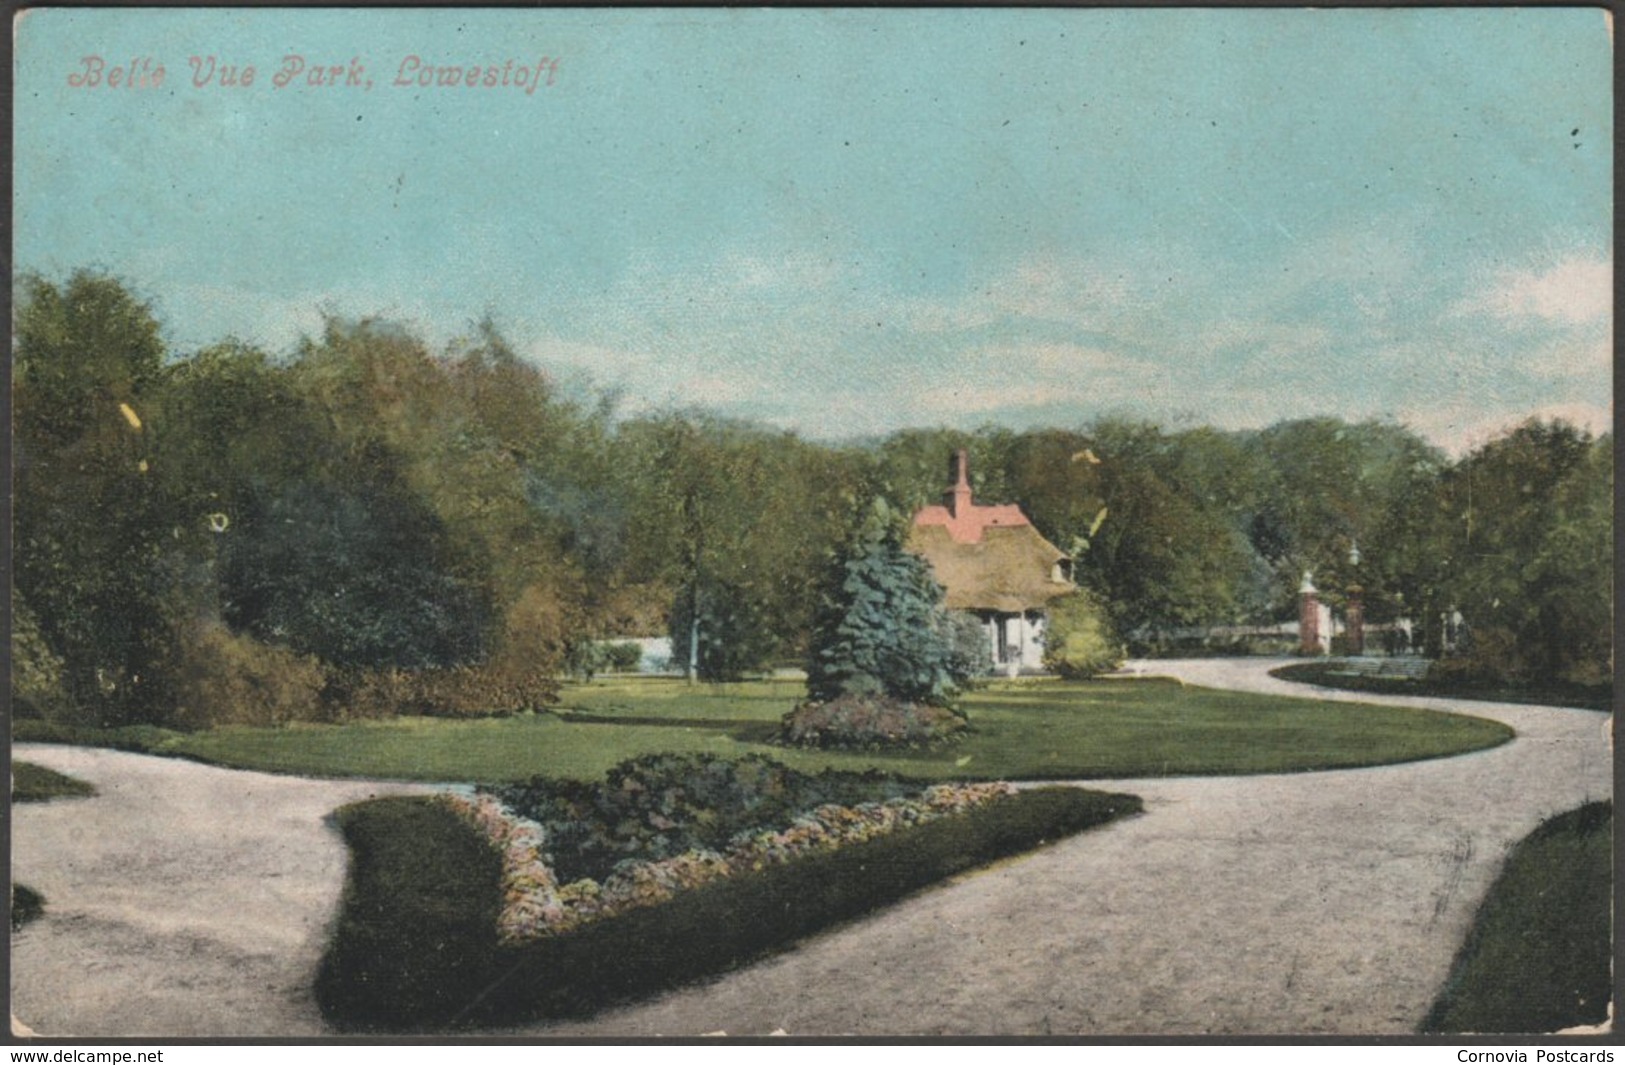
[
  {"x": 180, "y": 900},
  {"x": 190, "y": 900}
]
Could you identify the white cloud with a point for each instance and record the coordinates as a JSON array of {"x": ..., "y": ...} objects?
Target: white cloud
[
  {"x": 1574, "y": 291},
  {"x": 1570, "y": 359},
  {"x": 1347, "y": 326},
  {"x": 1461, "y": 426}
]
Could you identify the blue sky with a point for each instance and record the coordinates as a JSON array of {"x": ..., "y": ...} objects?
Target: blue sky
[{"x": 844, "y": 222}]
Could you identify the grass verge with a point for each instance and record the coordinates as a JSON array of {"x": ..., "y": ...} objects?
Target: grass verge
[
  {"x": 1025, "y": 730},
  {"x": 415, "y": 944},
  {"x": 1579, "y": 697},
  {"x": 1537, "y": 958},
  {"x": 35, "y": 783},
  {"x": 26, "y": 904}
]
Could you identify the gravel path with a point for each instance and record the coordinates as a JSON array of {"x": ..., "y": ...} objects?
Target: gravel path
[
  {"x": 181, "y": 899},
  {"x": 189, "y": 900}
]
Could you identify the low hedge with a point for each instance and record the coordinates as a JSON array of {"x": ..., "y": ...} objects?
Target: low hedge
[
  {"x": 36, "y": 783},
  {"x": 415, "y": 945},
  {"x": 1442, "y": 686},
  {"x": 26, "y": 905},
  {"x": 1538, "y": 956},
  {"x": 415, "y": 939}
]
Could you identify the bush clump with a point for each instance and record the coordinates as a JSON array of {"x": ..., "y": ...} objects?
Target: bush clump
[
  {"x": 37, "y": 689},
  {"x": 218, "y": 677},
  {"x": 26, "y": 905},
  {"x": 492, "y": 689},
  {"x": 1078, "y": 639},
  {"x": 859, "y": 722}
]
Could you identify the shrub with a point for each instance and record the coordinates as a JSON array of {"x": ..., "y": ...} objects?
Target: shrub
[
  {"x": 37, "y": 690},
  {"x": 970, "y": 656},
  {"x": 733, "y": 638},
  {"x": 586, "y": 659},
  {"x": 221, "y": 678},
  {"x": 493, "y": 689},
  {"x": 1494, "y": 657},
  {"x": 26, "y": 905},
  {"x": 1078, "y": 638},
  {"x": 866, "y": 721},
  {"x": 624, "y": 657}
]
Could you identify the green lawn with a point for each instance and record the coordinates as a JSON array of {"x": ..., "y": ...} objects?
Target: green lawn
[
  {"x": 1538, "y": 956},
  {"x": 35, "y": 783},
  {"x": 1035, "y": 729}
]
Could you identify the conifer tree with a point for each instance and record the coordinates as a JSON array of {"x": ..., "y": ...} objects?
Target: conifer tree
[{"x": 881, "y": 629}]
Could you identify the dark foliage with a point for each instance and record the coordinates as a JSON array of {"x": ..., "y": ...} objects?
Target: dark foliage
[
  {"x": 1538, "y": 957},
  {"x": 355, "y": 576},
  {"x": 725, "y": 627},
  {"x": 26, "y": 905}
]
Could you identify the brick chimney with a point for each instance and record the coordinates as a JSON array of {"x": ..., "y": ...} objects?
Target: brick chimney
[{"x": 958, "y": 496}]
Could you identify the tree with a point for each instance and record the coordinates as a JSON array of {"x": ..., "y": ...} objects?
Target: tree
[
  {"x": 355, "y": 575},
  {"x": 732, "y": 636},
  {"x": 881, "y": 628},
  {"x": 1327, "y": 485},
  {"x": 1163, "y": 555},
  {"x": 91, "y": 524},
  {"x": 1518, "y": 535}
]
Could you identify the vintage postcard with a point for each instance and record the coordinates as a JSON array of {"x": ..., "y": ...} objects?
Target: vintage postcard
[{"x": 932, "y": 523}]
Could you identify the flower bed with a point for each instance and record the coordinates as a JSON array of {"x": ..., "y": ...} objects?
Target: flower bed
[
  {"x": 535, "y": 904},
  {"x": 862, "y": 722},
  {"x": 439, "y": 928}
]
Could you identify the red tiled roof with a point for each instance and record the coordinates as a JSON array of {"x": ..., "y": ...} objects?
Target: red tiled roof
[
  {"x": 986, "y": 557},
  {"x": 968, "y": 523}
]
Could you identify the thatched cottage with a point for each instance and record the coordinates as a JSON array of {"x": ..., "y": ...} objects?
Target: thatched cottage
[{"x": 993, "y": 564}]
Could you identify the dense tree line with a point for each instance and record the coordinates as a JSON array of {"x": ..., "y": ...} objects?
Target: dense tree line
[{"x": 367, "y": 525}]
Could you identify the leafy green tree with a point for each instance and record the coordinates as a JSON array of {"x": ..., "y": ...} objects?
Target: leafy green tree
[
  {"x": 355, "y": 576},
  {"x": 1518, "y": 536},
  {"x": 736, "y": 518},
  {"x": 1162, "y": 556},
  {"x": 1327, "y": 485},
  {"x": 881, "y": 629},
  {"x": 91, "y": 524},
  {"x": 733, "y": 637}
]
